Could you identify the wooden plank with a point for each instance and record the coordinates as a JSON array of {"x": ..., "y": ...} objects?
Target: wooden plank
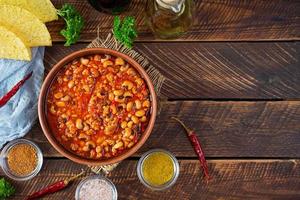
[
  {"x": 226, "y": 129},
  {"x": 232, "y": 179},
  {"x": 218, "y": 70},
  {"x": 219, "y": 20}
]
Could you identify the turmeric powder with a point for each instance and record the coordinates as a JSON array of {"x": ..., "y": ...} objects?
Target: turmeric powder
[{"x": 158, "y": 169}]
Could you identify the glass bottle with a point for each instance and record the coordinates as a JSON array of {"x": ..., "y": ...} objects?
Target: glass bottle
[
  {"x": 114, "y": 7},
  {"x": 169, "y": 18}
]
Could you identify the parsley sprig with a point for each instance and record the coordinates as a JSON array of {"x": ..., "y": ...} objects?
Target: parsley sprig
[
  {"x": 124, "y": 30},
  {"x": 74, "y": 23},
  {"x": 6, "y": 189}
]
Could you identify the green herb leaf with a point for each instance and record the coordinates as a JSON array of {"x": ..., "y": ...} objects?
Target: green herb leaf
[
  {"x": 125, "y": 31},
  {"x": 6, "y": 189},
  {"x": 74, "y": 23}
]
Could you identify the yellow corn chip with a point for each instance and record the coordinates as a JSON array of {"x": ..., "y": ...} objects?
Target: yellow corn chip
[
  {"x": 43, "y": 9},
  {"x": 12, "y": 46},
  {"x": 25, "y": 25}
]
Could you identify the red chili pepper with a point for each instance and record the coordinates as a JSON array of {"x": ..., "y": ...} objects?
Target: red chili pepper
[
  {"x": 14, "y": 90},
  {"x": 143, "y": 127},
  {"x": 53, "y": 187},
  {"x": 197, "y": 148}
]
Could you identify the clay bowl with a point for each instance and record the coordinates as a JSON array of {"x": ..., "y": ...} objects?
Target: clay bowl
[{"x": 42, "y": 111}]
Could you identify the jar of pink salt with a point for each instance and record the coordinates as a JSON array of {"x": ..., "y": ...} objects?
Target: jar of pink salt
[{"x": 96, "y": 188}]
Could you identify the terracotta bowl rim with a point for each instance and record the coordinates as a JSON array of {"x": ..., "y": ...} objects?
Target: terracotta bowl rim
[{"x": 43, "y": 97}]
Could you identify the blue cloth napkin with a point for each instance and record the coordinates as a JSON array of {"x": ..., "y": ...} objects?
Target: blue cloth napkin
[{"x": 19, "y": 114}]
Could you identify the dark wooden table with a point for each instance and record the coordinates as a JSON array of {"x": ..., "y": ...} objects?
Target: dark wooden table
[{"x": 234, "y": 77}]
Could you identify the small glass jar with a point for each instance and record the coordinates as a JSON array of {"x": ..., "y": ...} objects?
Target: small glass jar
[
  {"x": 4, "y": 161},
  {"x": 167, "y": 185},
  {"x": 113, "y": 187},
  {"x": 169, "y": 18}
]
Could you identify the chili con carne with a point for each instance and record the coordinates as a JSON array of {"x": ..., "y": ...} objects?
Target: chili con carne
[{"x": 98, "y": 106}]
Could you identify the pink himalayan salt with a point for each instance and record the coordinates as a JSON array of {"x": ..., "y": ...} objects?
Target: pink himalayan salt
[{"x": 96, "y": 189}]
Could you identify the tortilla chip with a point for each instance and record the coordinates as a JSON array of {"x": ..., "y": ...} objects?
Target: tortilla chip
[
  {"x": 12, "y": 46},
  {"x": 43, "y": 9},
  {"x": 25, "y": 25}
]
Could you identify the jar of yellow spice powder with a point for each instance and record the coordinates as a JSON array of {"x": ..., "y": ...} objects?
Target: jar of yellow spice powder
[{"x": 158, "y": 169}]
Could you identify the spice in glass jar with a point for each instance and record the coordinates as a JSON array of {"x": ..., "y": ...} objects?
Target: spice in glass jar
[
  {"x": 96, "y": 188},
  {"x": 158, "y": 169},
  {"x": 22, "y": 159}
]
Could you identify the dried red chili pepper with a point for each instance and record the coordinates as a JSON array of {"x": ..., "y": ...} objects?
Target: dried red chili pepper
[
  {"x": 53, "y": 187},
  {"x": 197, "y": 148},
  {"x": 14, "y": 90}
]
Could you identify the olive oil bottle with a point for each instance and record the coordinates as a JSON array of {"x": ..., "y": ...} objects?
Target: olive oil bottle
[{"x": 169, "y": 18}]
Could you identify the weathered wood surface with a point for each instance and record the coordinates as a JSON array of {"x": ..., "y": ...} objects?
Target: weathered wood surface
[
  {"x": 218, "y": 70},
  {"x": 252, "y": 146},
  {"x": 219, "y": 20},
  {"x": 232, "y": 179},
  {"x": 226, "y": 129}
]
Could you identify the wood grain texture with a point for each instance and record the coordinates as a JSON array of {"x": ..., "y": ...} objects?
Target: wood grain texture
[
  {"x": 232, "y": 179},
  {"x": 218, "y": 20},
  {"x": 226, "y": 129},
  {"x": 218, "y": 70}
]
